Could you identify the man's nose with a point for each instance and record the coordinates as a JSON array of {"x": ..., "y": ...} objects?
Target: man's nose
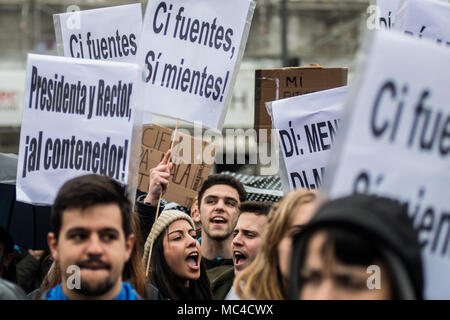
[
  {"x": 220, "y": 204},
  {"x": 94, "y": 245}
]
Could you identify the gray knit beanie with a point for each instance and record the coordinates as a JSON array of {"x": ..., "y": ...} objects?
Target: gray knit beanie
[{"x": 164, "y": 220}]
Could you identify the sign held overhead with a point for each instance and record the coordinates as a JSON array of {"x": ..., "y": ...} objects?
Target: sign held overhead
[
  {"x": 190, "y": 52},
  {"x": 396, "y": 141},
  {"x": 63, "y": 95},
  {"x": 110, "y": 33}
]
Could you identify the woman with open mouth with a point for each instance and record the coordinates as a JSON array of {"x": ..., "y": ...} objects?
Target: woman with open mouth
[{"x": 176, "y": 267}]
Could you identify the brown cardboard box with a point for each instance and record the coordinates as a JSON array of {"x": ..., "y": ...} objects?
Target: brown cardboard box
[
  {"x": 187, "y": 177},
  {"x": 291, "y": 82}
]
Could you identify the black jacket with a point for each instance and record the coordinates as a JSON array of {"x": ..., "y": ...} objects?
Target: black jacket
[{"x": 381, "y": 221}]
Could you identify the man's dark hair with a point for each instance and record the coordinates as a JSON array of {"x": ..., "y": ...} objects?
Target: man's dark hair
[
  {"x": 260, "y": 208},
  {"x": 228, "y": 180},
  {"x": 87, "y": 191}
]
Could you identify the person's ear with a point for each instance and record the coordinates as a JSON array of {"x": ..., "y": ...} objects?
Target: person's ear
[
  {"x": 53, "y": 245},
  {"x": 129, "y": 245}
]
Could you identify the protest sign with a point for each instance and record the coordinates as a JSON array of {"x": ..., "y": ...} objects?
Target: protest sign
[
  {"x": 76, "y": 120},
  {"x": 396, "y": 141},
  {"x": 110, "y": 33},
  {"x": 383, "y": 13},
  {"x": 306, "y": 126},
  {"x": 429, "y": 19},
  {"x": 190, "y": 52},
  {"x": 274, "y": 84},
  {"x": 190, "y": 168}
]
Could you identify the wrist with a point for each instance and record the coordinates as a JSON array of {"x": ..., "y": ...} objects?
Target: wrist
[{"x": 149, "y": 200}]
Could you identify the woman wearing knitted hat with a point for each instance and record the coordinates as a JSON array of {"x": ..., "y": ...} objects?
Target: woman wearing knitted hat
[{"x": 175, "y": 264}]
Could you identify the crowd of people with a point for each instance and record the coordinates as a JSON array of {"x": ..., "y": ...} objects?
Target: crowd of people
[{"x": 301, "y": 247}]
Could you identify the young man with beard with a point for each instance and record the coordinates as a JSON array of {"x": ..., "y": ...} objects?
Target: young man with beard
[{"x": 92, "y": 240}]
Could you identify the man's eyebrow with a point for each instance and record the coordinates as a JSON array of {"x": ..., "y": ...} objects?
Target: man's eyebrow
[
  {"x": 77, "y": 229},
  {"x": 216, "y": 197}
]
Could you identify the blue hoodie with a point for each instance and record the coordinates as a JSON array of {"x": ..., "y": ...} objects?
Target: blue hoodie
[{"x": 127, "y": 293}]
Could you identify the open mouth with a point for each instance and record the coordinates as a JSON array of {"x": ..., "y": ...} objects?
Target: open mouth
[
  {"x": 218, "y": 220},
  {"x": 193, "y": 260},
  {"x": 239, "y": 258}
]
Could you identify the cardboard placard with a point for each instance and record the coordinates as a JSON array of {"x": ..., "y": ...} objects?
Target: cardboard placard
[
  {"x": 274, "y": 84},
  {"x": 395, "y": 141},
  {"x": 188, "y": 175}
]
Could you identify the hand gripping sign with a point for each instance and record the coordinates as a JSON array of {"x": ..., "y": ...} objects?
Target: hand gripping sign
[
  {"x": 306, "y": 127},
  {"x": 77, "y": 119},
  {"x": 191, "y": 51},
  {"x": 110, "y": 33},
  {"x": 396, "y": 141}
]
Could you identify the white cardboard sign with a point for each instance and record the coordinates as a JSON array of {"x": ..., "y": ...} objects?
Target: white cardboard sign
[
  {"x": 306, "y": 126},
  {"x": 110, "y": 33},
  {"x": 76, "y": 120},
  {"x": 428, "y": 19},
  {"x": 11, "y": 97},
  {"x": 190, "y": 51},
  {"x": 396, "y": 142}
]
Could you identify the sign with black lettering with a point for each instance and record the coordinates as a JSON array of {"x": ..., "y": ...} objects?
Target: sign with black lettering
[
  {"x": 306, "y": 126},
  {"x": 76, "y": 120},
  {"x": 384, "y": 12},
  {"x": 110, "y": 33},
  {"x": 428, "y": 19},
  {"x": 191, "y": 51},
  {"x": 396, "y": 141}
]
